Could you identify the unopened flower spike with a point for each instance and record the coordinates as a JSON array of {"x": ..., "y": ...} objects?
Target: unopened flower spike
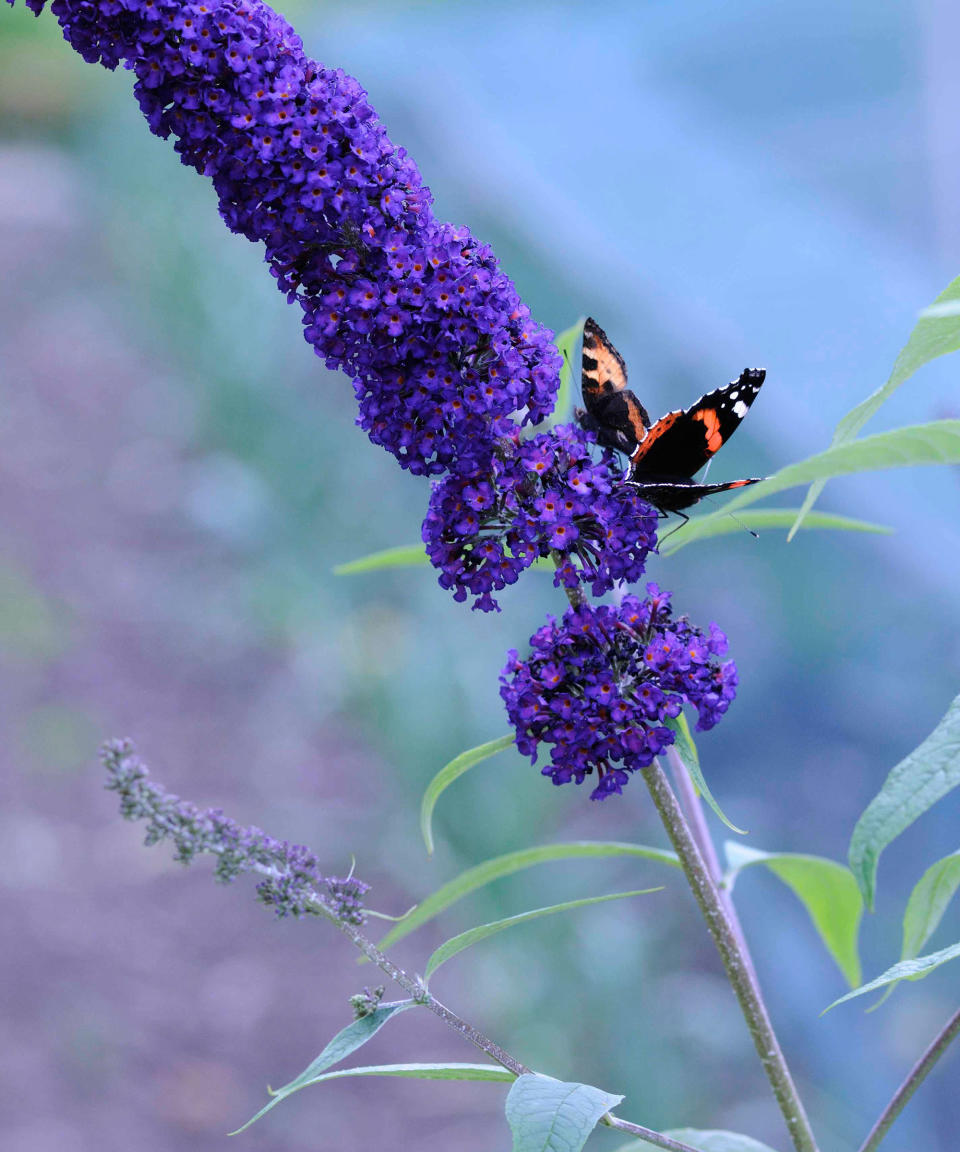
[{"x": 292, "y": 883}]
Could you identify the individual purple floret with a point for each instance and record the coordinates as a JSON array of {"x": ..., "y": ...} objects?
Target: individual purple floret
[
  {"x": 545, "y": 496},
  {"x": 441, "y": 348},
  {"x": 599, "y": 686},
  {"x": 292, "y": 883}
]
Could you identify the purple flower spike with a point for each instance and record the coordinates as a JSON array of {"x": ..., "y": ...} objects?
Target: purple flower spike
[
  {"x": 442, "y": 350},
  {"x": 545, "y": 495},
  {"x": 292, "y": 883},
  {"x": 600, "y": 684}
]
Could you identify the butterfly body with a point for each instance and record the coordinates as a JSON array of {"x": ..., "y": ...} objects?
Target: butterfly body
[{"x": 663, "y": 455}]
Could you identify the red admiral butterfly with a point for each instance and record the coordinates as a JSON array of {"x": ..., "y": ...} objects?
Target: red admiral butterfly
[{"x": 663, "y": 456}]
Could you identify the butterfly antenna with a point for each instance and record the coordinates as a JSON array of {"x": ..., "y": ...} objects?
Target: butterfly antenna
[
  {"x": 739, "y": 523},
  {"x": 755, "y": 535}
]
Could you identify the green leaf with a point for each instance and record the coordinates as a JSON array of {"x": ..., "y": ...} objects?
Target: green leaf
[
  {"x": 928, "y": 902},
  {"x": 446, "y": 776},
  {"x": 506, "y": 865},
  {"x": 705, "y": 1139},
  {"x": 403, "y": 556},
  {"x": 914, "y": 969},
  {"x": 913, "y": 786},
  {"x": 457, "y": 944},
  {"x": 348, "y": 1040},
  {"x": 566, "y": 342},
  {"x": 937, "y": 332},
  {"x": 547, "y": 1115},
  {"x": 935, "y": 443},
  {"x": 824, "y": 887},
  {"x": 687, "y": 751},
  {"x": 925, "y": 908},
  {"x": 704, "y": 527}
]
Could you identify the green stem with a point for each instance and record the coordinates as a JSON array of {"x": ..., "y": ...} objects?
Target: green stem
[
  {"x": 419, "y": 993},
  {"x": 915, "y": 1077},
  {"x": 692, "y": 807},
  {"x": 738, "y": 968}
]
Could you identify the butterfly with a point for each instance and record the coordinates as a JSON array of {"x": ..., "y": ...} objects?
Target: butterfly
[{"x": 663, "y": 455}]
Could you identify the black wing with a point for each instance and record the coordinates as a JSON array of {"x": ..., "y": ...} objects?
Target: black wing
[{"x": 680, "y": 443}]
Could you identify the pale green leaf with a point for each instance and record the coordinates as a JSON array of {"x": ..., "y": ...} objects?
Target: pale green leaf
[
  {"x": 566, "y": 342},
  {"x": 936, "y": 333},
  {"x": 457, "y": 944},
  {"x": 506, "y": 865},
  {"x": 913, "y": 786},
  {"x": 403, "y": 556},
  {"x": 914, "y": 969},
  {"x": 935, "y": 443},
  {"x": 450, "y": 772},
  {"x": 687, "y": 751},
  {"x": 703, "y": 1139},
  {"x": 409, "y": 556},
  {"x": 825, "y": 888},
  {"x": 928, "y": 902},
  {"x": 925, "y": 908},
  {"x": 759, "y": 519},
  {"x": 547, "y": 1115},
  {"x": 346, "y": 1041}
]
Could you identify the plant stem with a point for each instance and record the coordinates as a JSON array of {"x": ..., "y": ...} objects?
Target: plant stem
[
  {"x": 692, "y": 806},
  {"x": 738, "y": 968},
  {"x": 419, "y": 993},
  {"x": 915, "y": 1078}
]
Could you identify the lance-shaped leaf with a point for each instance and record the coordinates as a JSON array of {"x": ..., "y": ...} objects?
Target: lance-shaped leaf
[
  {"x": 450, "y": 772},
  {"x": 348, "y": 1040},
  {"x": 914, "y": 969},
  {"x": 687, "y": 751},
  {"x": 548, "y": 1115},
  {"x": 704, "y": 1140},
  {"x": 935, "y": 443},
  {"x": 565, "y": 342},
  {"x": 457, "y": 944},
  {"x": 913, "y": 786},
  {"x": 759, "y": 519},
  {"x": 826, "y": 889},
  {"x": 937, "y": 333},
  {"x": 510, "y": 862},
  {"x": 928, "y": 902},
  {"x": 402, "y": 556}
]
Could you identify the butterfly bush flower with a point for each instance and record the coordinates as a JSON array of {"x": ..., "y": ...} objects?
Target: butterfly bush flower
[
  {"x": 543, "y": 496},
  {"x": 442, "y": 350},
  {"x": 292, "y": 883},
  {"x": 600, "y": 685}
]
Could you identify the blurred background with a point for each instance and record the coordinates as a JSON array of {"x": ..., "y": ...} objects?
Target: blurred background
[{"x": 720, "y": 186}]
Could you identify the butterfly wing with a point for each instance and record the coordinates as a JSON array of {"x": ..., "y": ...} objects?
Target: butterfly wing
[
  {"x": 680, "y": 443},
  {"x": 673, "y": 495},
  {"x": 612, "y": 410}
]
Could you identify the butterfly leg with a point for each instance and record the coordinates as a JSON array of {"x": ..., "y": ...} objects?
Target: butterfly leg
[{"x": 683, "y": 520}]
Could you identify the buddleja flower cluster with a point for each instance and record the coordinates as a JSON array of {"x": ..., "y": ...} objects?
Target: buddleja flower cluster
[
  {"x": 445, "y": 359},
  {"x": 292, "y": 883},
  {"x": 600, "y": 686},
  {"x": 543, "y": 496},
  {"x": 448, "y": 368},
  {"x": 439, "y": 343}
]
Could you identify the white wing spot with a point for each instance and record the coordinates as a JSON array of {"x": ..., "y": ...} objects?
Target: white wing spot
[
  {"x": 740, "y": 409},
  {"x": 734, "y": 395}
]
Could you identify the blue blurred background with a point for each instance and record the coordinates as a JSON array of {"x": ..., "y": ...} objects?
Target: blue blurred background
[{"x": 720, "y": 186}]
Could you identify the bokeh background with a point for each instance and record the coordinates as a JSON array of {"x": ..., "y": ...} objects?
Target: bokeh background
[{"x": 720, "y": 186}]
